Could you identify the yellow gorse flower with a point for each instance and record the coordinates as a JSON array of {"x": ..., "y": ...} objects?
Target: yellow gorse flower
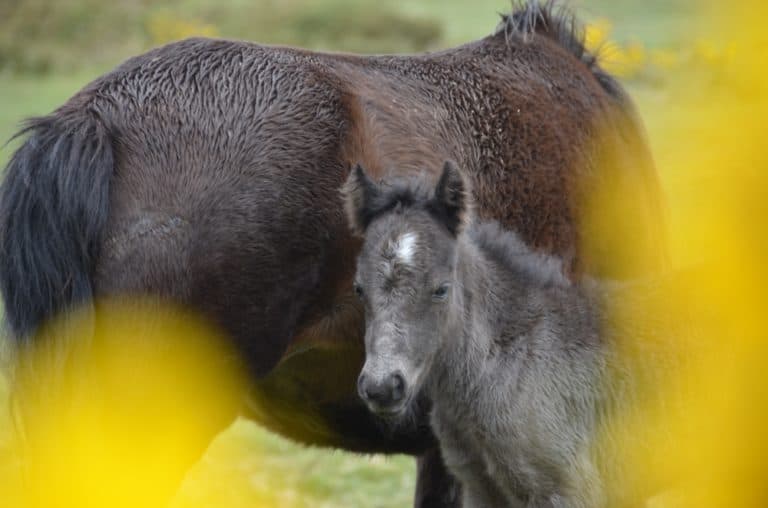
[
  {"x": 703, "y": 433},
  {"x": 597, "y": 33}
]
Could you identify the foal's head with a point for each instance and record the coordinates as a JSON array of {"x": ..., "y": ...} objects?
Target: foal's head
[{"x": 404, "y": 276}]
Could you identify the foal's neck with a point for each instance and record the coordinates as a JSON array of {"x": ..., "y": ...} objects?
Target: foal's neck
[
  {"x": 481, "y": 301},
  {"x": 511, "y": 307}
]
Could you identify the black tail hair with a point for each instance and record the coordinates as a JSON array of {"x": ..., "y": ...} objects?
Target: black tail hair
[{"x": 54, "y": 203}]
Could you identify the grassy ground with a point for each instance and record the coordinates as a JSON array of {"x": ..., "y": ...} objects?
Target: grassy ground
[
  {"x": 243, "y": 463},
  {"x": 247, "y": 463}
]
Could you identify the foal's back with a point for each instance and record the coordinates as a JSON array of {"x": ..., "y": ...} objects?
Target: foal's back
[{"x": 573, "y": 364}]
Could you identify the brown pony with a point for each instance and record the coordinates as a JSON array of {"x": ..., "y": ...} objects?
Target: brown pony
[{"x": 207, "y": 172}]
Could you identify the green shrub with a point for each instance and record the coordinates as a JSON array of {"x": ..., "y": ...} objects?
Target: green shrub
[
  {"x": 364, "y": 29},
  {"x": 38, "y": 36}
]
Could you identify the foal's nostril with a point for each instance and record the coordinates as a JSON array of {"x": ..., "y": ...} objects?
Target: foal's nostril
[
  {"x": 397, "y": 383},
  {"x": 361, "y": 386},
  {"x": 387, "y": 392}
]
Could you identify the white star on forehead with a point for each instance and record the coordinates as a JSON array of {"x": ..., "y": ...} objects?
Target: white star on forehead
[{"x": 405, "y": 247}]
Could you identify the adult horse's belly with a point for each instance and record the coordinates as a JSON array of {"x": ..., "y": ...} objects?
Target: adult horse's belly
[
  {"x": 307, "y": 398},
  {"x": 311, "y": 397}
]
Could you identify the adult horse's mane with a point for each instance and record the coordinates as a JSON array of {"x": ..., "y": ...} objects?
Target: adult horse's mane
[{"x": 557, "y": 21}]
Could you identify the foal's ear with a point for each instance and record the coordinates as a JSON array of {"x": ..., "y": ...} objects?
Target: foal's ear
[
  {"x": 452, "y": 198},
  {"x": 359, "y": 193}
]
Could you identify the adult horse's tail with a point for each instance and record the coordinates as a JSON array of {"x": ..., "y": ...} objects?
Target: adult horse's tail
[
  {"x": 112, "y": 400},
  {"x": 54, "y": 203}
]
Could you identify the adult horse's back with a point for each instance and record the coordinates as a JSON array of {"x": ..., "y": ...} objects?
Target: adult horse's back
[{"x": 207, "y": 173}]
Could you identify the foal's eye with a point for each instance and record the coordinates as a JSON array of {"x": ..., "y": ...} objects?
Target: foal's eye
[
  {"x": 440, "y": 293},
  {"x": 359, "y": 291}
]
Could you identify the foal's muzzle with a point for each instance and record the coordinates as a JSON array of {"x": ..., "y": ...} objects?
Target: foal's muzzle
[{"x": 385, "y": 395}]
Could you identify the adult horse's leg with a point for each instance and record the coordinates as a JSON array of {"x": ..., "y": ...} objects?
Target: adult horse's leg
[{"x": 435, "y": 487}]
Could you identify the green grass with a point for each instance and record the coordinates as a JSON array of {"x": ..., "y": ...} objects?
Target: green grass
[{"x": 246, "y": 462}]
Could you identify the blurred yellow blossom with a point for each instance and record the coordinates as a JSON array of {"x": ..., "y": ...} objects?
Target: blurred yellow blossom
[
  {"x": 624, "y": 61},
  {"x": 596, "y": 34},
  {"x": 699, "y": 439},
  {"x": 114, "y": 410},
  {"x": 665, "y": 59},
  {"x": 708, "y": 52}
]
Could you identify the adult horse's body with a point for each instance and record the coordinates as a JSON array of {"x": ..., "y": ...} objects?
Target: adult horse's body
[{"x": 207, "y": 172}]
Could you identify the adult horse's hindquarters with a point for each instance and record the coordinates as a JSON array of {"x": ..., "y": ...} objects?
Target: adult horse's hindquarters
[{"x": 207, "y": 172}]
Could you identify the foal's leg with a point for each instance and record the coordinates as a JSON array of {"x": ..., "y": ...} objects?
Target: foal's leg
[
  {"x": 479, "y": 490},
  {"x": 435, "y": 486},
  {"x": 560, "y": 501}
]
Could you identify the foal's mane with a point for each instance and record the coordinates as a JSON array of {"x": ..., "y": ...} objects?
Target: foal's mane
[
  {"x": 556, "y": 21},
  {"x": 414, "y": 193},
  {"x": 509, "y": 250}
]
